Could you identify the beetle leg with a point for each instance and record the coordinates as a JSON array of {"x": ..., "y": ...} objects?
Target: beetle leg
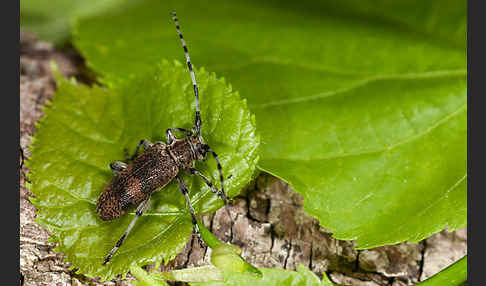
[
  {"x": 185, "y": 192},
  {"x": 117, "y": 166},
  {"x": 171, "y": 137},
  {"x": 145, "y": 143},
  {"x": 140, "y": 210},
  {"x": 221, "y": 193}
]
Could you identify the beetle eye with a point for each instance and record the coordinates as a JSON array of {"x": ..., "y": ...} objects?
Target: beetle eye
[{"x": 203, "y": 148}]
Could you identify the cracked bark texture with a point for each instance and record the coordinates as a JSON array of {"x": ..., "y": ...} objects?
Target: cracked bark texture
[{"x": 270, "y": 225}]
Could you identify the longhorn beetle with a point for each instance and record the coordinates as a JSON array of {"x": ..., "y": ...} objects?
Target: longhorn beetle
[{"x": 159, "y": 164}]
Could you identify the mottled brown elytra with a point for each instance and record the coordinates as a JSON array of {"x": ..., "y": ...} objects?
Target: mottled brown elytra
[{"x": 158, "y": 165}]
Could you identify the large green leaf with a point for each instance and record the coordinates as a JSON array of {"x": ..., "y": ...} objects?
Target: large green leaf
[
  {"x": 51, "y": 20},
  {"x": 85, "y": 129},
  {"x": 454, "y": 275},
  {"x": 361, "y": 104}
]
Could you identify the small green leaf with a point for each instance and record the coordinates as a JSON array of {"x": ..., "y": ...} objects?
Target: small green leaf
[
  {"x": 227, "y": 257},
  {"x": 232, "y": 269},
  {"x": 193, "y": 274},
  {"x": 361, "y": 104},
  {"x": 85, "y": 129},
  {"x": 271, "y": 276},
  {"x": 146, "y": 279},
  {"x": 201, "y": 276}
]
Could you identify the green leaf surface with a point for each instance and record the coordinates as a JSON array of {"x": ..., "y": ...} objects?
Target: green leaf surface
[
  {"x": 361, "y": 104},
  {"x": 193, "y": 274},
  {"x": 146, "y": 279},
  {"x": 272, "y": 276},
  {"x": 85, "y": 129},
  {"x": 227, "y": 257},
  {"x": 51, "y": 20},
  {"x": 453, "y": 275}
]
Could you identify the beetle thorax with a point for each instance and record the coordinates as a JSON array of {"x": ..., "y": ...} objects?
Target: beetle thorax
[{"x": 186, "y": 151}]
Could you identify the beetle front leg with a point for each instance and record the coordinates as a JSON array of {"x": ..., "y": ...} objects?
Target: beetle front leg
[{"x": 219, "y": 193}]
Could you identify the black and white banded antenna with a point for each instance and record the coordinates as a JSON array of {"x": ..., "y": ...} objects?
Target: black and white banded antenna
[
  {"x": 196, "y": 130},
  {"x": 197, "y": 123}
]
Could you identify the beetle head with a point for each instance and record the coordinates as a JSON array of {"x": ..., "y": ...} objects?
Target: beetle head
[{"x": 200, "y": 148}]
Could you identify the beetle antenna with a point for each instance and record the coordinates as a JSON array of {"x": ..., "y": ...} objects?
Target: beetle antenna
[{"x": 197, "y": 123}]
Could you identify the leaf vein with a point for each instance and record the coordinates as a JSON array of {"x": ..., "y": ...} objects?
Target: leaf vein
[
  {"x": 385, "y": 148},
  {"x": 359, "y": 84}
]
